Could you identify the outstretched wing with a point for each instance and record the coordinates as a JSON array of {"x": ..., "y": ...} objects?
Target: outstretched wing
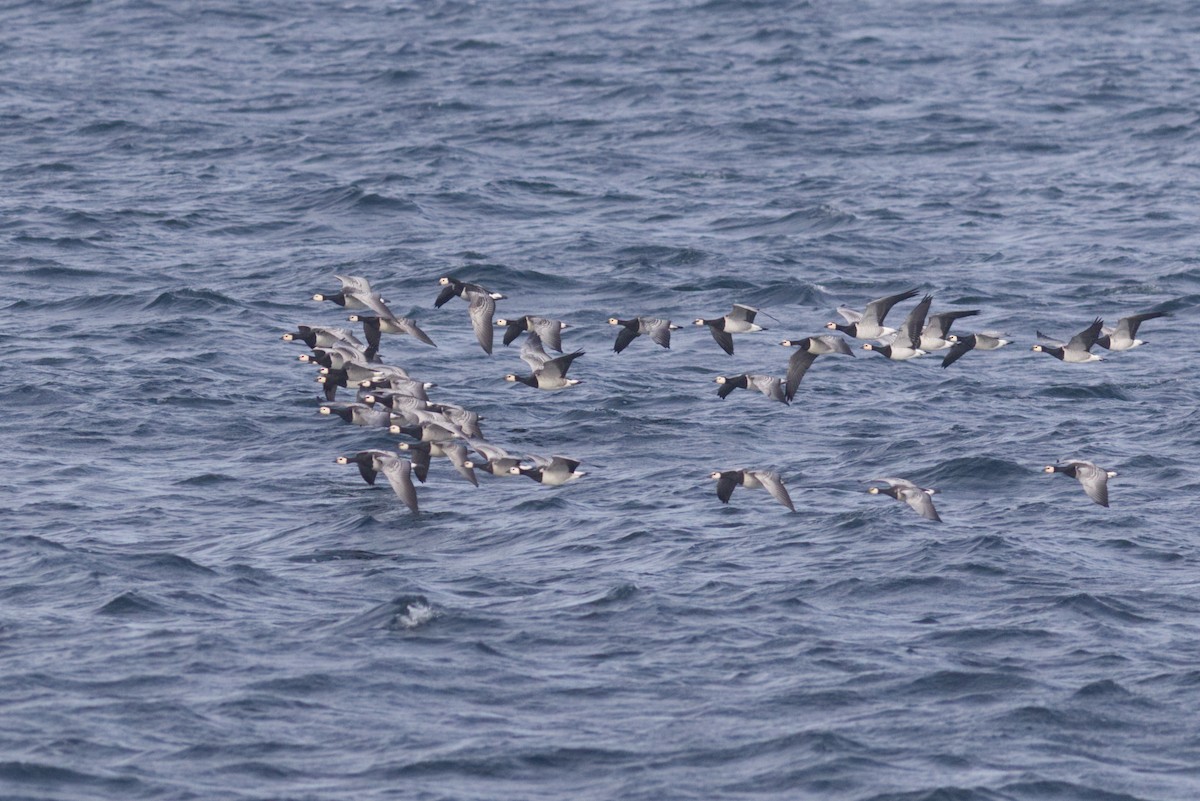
[
  {"x": 532, "y": 352},
  {"x": 355, "y": 284},
  {"x": 828, "y": 343},
  {"x": 914, "y": 323},
  {"x": 1087, "y": 337},
  {"x": 481, "y": 310},
  {"x": 741, "y": 312},
  {"x": 1093, "y": 479},
  {"x": 456, "y": 452},
  {"x": 658, "y": 330},
  {"x": 849, "y": 314},
  {"x": 399, "y": 475},
  {"x": 1129, "y": 325},
  {"x": 725, "y": 484},
  {"x": 624, "y": 337},
  {"x": 877, "y": 309},
  {"x": 958, "y": 349},
  {"x": 557, "y": 368},
  {"x": 939, "y": 324},
  {"x": 549, "y": 330},
  {"x": 797, "y": 366},
  {"x": 724, "y": 339},
  {"x": 773, "y": 484},
  {"x": 921, "y": 501},
  {"x": 768, "y": 385}
]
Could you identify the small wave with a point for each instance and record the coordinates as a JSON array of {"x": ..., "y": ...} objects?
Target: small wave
[
  {"x": 1075, "y": 391},
  {"x": 1104, "y": 688},
  {"x": 819, "y": 219},
  {"x": 1095, "y": 607},
  {"x": 976, "y": 470},
  {"x": 205, "y": 480},
  {"x": 958, "y": 682},
  {"x": 200, "y": 300},
  {"x": 34, "y": 773},
  {"x": 159, "y": 564},
  {"x": 402, "y": 613},
  {"x": 129, "y": 604},
  {"x": 337, "y": 555},
  {"x": 396, "y": 76},
  {"x": 1056, "y": 790}
]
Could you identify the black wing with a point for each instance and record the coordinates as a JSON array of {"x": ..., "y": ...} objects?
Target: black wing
[
  {"x": 725, "y": 484},
  {"x": 724, "y": 339},
  {"x": 514, "y": 330},
  {"x": 958, "y": 349},
  {"x": 626, "y": 336},
  {"x": 797, "y": 366}
]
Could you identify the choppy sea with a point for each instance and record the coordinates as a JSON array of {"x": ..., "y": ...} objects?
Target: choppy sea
[{"x": 196, "y": 602}]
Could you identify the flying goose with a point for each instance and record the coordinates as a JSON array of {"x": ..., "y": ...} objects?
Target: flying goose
[
  {"x": 751, "y": 479},
  {"x": 919, "y": 498},
  {"x": 398, "y": 472},
  {"x": 906, "y": 343},
  {"x": 368, "y": 463},
  {"x": 454, "y": 451},
  {"x": 357, "y": 294},
  {"x": 553, "y": 472},
  {"x": 318, "y": 336},
  {"x": 738, "y": 321},
  {"x": 550, "y": 331},
  {"x": 452, "y": 287},
  {"x": 551, "y": 375},
  {"x": 1124, "y": 336},
  {"x": 360, "y": 414},
  {"x": 809, "y": 349},
  {"x": 1094, "y": 479},
  {"x": 374, "y": 325},
  {"x": 868, "y": 324},
  {"x": 1077, "y": 350},
  {"x": 960, "y": 346},
  {"x": 935, "y": 334},
  {"x": 768, "y": 385},
  {"x": 657, "y": 329},
  {"x": 499, "y": 462}
]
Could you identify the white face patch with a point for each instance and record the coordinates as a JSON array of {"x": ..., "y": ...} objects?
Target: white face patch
[
  {"x": 1049, "y": 469},
  {"x": 721, "y": 379},
  {"x": 510, "y": 377},
  {"x": 326, "y": 410},
  {"x": 873, "y": 491},
  {"x": 443, "y": 281},
  {"x": 342, "y": 460},
  {"x": 318, "y": 296},
  {"x": 613, "y": 321}
]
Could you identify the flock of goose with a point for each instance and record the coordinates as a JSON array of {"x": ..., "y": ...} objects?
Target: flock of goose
[{"x": 388, "y": 397}]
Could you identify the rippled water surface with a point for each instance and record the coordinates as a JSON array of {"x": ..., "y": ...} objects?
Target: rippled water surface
[{"x": 199, "y": 603}]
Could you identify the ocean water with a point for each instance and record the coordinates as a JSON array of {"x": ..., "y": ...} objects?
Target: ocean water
[{"x": 197, "y": 602}]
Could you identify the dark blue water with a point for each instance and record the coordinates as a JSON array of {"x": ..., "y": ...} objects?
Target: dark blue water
[{"x": 198, "y": 603}]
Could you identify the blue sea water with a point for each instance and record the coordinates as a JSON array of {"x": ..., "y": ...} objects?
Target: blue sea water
[{"x": 197, "y": 602}]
